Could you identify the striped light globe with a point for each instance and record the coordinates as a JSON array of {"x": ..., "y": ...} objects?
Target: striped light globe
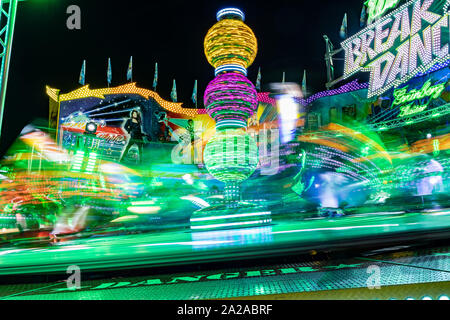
[{"x": 231, "y": 155}]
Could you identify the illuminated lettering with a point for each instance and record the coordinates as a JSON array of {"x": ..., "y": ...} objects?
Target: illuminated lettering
[
  {"x": 401, "y": 96},
  {"x": 380, "y": 34},
  {"x": 406, "y": 26},
  {"x": 354, "y": 50},
  {"x": 395, "y": 30},
  {"x": 420, "y": 49},
  {"x": 223, "y": 276},
  {"x": 405, "y": 99},
  {"x": 410, "y": 109},
  {"x": 253, "y": 273},
  {"x": 366, "y": 51},
  {"x": 400, "y": 65},
  {"x": 409, "y": 40},
  {"x": 185, "y": 279},
  {"x": 268, "y": 272},
  {"x": 380, "y": 70},
  {"x": 438, "y": 50},
  {"x": 149, "y": 282}
]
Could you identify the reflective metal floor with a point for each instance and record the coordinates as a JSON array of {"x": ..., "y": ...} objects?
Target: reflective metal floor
[{"x": 403, "y": 274}]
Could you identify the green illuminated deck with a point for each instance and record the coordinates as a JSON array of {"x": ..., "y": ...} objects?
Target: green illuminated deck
[{"x": 178, "y": 246}]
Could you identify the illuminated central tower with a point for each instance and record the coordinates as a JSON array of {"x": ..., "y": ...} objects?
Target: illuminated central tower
[{"x": 231, "y": 155}]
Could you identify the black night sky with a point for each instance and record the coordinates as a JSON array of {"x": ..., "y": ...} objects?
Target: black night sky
[{"x": 169, "y": 32}]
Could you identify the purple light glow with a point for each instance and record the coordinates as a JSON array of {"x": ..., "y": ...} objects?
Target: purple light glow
[
  {"x": 264, "y": 98},
  {"x": 351, "y": 86},
  {"x": 230, "y": 96}
]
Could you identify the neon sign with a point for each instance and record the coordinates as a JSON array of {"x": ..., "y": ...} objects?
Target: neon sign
[
  {"x": 410, "y": 109},
  {"x": 376, "y": 8},
  {"x": 406, "y": 98},
  {"x": 410, "y": 40}
]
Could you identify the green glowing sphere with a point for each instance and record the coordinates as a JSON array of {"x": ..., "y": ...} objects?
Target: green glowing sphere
[{"x": 231, "y": 155}]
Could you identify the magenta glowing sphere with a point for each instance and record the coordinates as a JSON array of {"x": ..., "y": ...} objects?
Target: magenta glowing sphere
[{"x": 230, "y": 99}]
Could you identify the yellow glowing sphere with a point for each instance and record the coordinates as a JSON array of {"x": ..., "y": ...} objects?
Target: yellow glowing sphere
[{"x": 230, "y": 41}]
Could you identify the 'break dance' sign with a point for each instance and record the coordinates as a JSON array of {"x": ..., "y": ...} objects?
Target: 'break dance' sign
[{"x": 409, "y": 40}]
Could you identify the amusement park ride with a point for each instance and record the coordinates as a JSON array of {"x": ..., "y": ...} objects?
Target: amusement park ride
[{"x": 347, "y": 175}]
